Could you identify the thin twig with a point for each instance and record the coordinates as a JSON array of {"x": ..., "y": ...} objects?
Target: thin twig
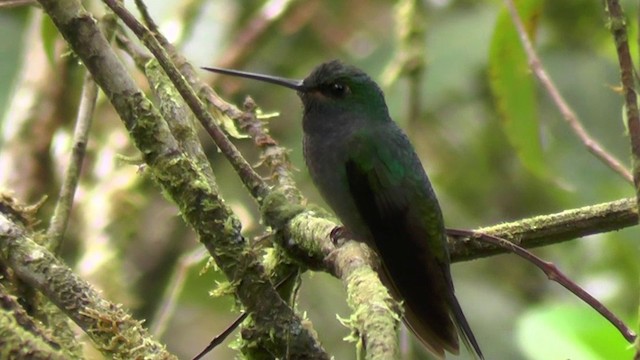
[
  {"x": 567, "y": 113},
  {"x": 8, "y": 4},
  {"x": 553, "y": 273},
  {"x": 410, "y": 58},
  {"x": 274, "y": 156},
  {"x": 88, "y": 99},
  {"x": 60, "y": 219},
  {"x": 219, "y": 339},
  {"x": 245, "y": 43},
  {"x": 279, "y": 329},
  {"x": 170, "y": 297},
  {"x": 413, "y": 30},
  {"x": 617, "y": 24},
  {"x": 146, "y": 17},
  {"x": 254, "y": 183}
]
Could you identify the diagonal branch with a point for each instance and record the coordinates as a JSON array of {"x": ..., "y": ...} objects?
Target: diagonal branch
[
  {"x": 554, "y": 274},
  {"x": 251, "y": 179},
  {"x": 184, "y": 181},
  {"x": 617, "y": 25},
  {"x": 104, "y": 322},
  {"x": 568, "y": 114},
  {"x": 279, "y": 207},
  {"x": 305, "y": 231}
]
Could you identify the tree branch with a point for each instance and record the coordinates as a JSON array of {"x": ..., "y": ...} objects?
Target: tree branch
[
  {"x": 251, "y": 179},
  {"x": 304, "y": 229},
  {"x": 22, "y": 337},
  {"x": 568, "y": 114},
  {"x": 59, "y": 220},
  {"x": 618, "y": 27},
  {"x": 184, "y": 181},
  {"x": 112, "y": 329},
  {"x": 279, "y": 207},
  {"x": 550, "y": 229}
]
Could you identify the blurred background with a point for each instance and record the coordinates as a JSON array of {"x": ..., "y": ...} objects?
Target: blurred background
[{"x": 450, "y": 70}]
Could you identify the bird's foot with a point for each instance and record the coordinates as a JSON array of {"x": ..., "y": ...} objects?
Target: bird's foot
[{"x": 339, "y": 234}]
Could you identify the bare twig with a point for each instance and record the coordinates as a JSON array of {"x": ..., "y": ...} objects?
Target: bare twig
[
  {"x": 274, "y": 156},
  {"x": 172, "y": 292},
  {"x": 193, "y": 192},
  {"x": 58, "y": 225},
  {"x": 7, "y": 4},
  {"x": 553, "y": 273},
  {"x": 410, "y": 57},
  {"x": 218, "y": 339},
  {"x": 617, "y": 24},
  {"x": 251, "y": 179},
  {"x": 146, "y": 17},
  {"x": 567, "y": 113},
  {"x": 618, "y": 28},
  {"x": 245, "y": 43}
]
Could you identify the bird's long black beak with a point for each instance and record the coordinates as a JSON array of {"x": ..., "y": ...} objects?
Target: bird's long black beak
[{"x": 297, "y": 85}]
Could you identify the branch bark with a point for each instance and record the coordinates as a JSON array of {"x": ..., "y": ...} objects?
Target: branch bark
[
  {"x": 618, "y": 26},
  {"x": 186, "y": 183},
  {"x": 303, "y": 231},
  {"x": 112, "y": 329},
  {"x": 550, "y": 229}
]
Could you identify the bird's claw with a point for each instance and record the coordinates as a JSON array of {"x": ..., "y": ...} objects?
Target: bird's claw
[{"x": 338, "y": 235}]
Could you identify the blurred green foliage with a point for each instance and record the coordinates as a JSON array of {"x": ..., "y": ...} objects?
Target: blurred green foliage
[
  {"x": 489, "y": 163},
  {"x": 12, "y": 24},
  {"x": 576, "y": 332}
]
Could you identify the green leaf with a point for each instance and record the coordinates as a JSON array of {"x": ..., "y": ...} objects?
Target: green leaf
[
  {"x": 570, "y": 332},
  {"x": 49, "y": 34},
  {"x": 513, "y": 86}
]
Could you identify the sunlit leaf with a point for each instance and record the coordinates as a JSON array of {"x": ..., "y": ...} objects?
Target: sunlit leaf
[
  {"x": 570, "y": 332},
  {"x": 513, "y": 86},
  {"x": 49, "y": 34}
]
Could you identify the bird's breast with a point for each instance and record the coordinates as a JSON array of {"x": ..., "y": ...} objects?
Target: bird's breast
[{"x": 326, "y": 159}]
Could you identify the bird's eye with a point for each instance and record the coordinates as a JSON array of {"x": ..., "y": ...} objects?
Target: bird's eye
[{"x": 338, "y": 89}]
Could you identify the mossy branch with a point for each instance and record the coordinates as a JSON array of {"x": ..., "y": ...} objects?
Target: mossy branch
[
  {"x": 21, "y": 337},
  {"x": 186, "y": 182},
  {"x": 304, "y": 231},
  {"x": 550, "y": 229},
  {"x": 111, "y": 328}
]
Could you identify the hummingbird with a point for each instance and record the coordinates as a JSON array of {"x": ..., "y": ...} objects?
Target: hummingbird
[{"x": 369, "y": 174}]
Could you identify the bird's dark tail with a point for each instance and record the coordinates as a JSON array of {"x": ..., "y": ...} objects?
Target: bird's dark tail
[{"x": 464, "y": 329}]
